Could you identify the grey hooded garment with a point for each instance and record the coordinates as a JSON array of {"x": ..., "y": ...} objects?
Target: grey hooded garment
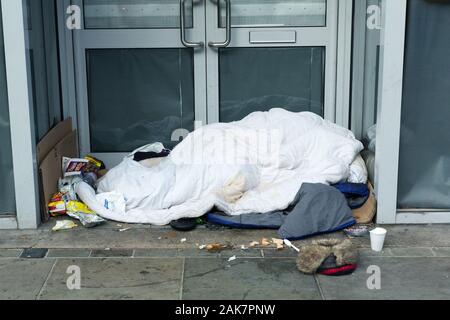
[{"x": 317, "y": 209}]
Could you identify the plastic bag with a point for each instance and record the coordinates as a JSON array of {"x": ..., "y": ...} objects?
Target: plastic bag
[
  {"x": 67, "y": 186},
  {"x": 113, "y": 201}
]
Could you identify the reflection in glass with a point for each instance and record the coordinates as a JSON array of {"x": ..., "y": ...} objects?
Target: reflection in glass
[
  {"x": 259, "y": 79},
  {"x": 424, "y": 168},
  {"x": 135, "y": 14},
  {"x": 139, "y": 96},
  {"x": 275, "y": 13}
]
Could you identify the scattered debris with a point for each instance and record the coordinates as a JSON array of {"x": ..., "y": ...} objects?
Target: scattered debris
[
  {"x": 254, "y": 244},
  {"x": 64, "y": 225},
  {"x": 232, "y": 258},
  {"x": 358, "y": 231},
  {"x": 264, "y": 242},
  {"x": 218, "y": 247},
  {"x": 215, "y": 247},
  {"x": 124, "y": 229},
  {"x": 279, "y": 243}
]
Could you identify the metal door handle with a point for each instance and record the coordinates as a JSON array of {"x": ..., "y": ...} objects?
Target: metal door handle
[
  {"x": 186, "y": 43},
  {"x": 228, "y": 26}
]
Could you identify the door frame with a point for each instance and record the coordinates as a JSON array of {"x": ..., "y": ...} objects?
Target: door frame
[
  {"x": 21, "y": 117},
  {"x": 390, "y": 97}
]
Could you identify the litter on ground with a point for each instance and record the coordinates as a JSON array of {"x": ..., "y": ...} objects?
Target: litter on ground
[
  {"x": 279, "y": 243},
  {"x": 64, "y": 225},
  {"x": 357, "y": 231},
  {"x": 254, "y": 244},
  {"x": 217, "y": 247},
  {"x": 264, "y": 242}
]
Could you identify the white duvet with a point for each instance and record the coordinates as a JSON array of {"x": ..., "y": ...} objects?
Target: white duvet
[{"x": 254, "y": 165}]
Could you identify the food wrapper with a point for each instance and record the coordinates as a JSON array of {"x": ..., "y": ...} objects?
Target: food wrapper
[
  {"x": 94, "y": 165},
  {"x": 57, "y": 205},
  {"x": 81, "y": 212},
  {"x": 74, "y": 167},
  {"x": 76, "y": 206},
  {"x": 64, "y": 225},
  {"x": 57, "y": 208}
]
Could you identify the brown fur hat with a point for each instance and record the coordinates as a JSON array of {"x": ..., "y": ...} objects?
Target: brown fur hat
[{"x": 312, "y": 256}]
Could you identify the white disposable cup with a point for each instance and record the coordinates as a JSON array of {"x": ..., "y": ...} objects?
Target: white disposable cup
[{"x": 377, "y": 237}]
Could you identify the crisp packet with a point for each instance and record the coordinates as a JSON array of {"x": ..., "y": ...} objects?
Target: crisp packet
[
  {"x": 57, "y": 204},
  {"x": 81, "y": 212}
]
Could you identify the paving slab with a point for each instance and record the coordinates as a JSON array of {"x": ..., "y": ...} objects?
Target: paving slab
[
  {"x": 14, "y": 239},
  {"x": 285, "y": 253},
  {"x": 401, "y": 279},
  {"x": 33, "y": 253},
  {"x": 112, "y": 253},
  {"x": 247, "y": 279},
  {"x": 413, "y": 252},
  {"x": 10, "y": 253},
  {"x": 413, "y": 236},
  {"x": 179, "y": 253},
  {"x": 68, "y": 253},
  {"x": 150, "y": 237},
  {"x": 441, "y": 252},
  {"x": 113, "y": 278},
  {"x": 146, "y": 238},
  {"x": 23, "y": 279},
  {"x": 239, "y": 253}
]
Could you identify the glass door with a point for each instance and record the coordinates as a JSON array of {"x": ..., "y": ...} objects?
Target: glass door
[
  {"x": 271, "y": 53},
  {"x": 140, "y": 68},
  {"x": 145, "y": 68}
]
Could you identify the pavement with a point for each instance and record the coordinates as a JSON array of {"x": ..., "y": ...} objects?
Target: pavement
[{"x": 146, "y": 262}]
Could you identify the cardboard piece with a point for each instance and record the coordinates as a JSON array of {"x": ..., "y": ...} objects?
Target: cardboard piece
[
  {"x": 52, "y": 138},
  {"x": 367, "y": 212},
  {"x": 58, "y": 143}
]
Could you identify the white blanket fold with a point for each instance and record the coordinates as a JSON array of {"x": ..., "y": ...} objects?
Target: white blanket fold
[{"x": 254, "y": 165}]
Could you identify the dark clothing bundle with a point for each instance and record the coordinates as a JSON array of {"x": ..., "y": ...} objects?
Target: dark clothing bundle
[
  {"x": 140, "y": 156},
  {"x": 317, "y": 209}
]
